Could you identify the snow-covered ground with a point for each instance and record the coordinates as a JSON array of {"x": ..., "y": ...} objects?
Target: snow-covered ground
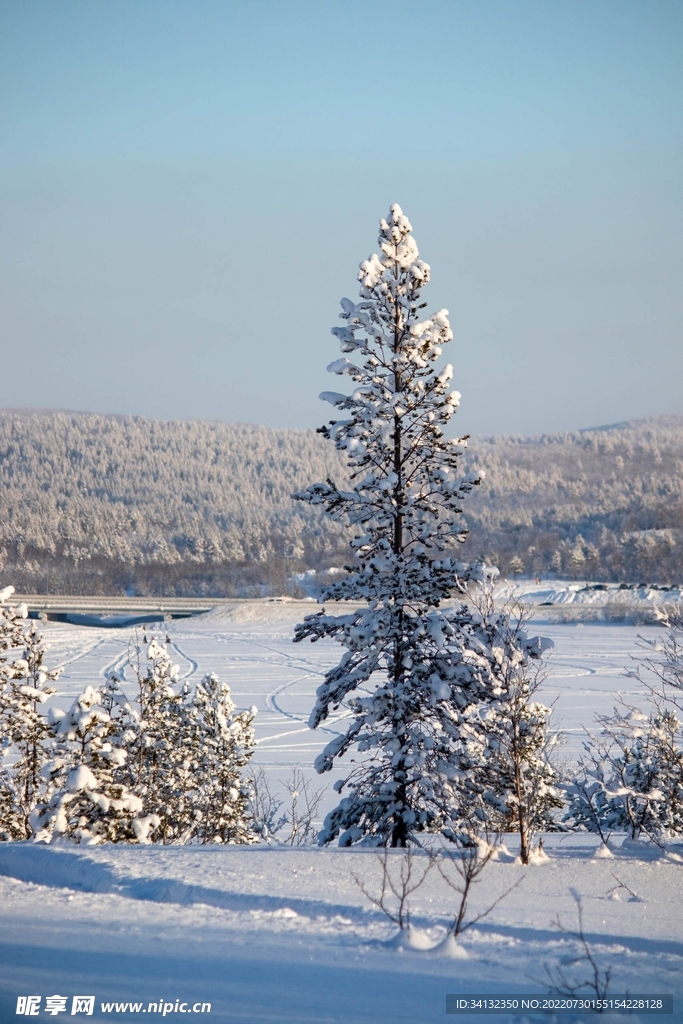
[
  {"x": 571, "y": 601},
  {"x": 559, "y": 591},
  {"x": 249, "y": 644},
  {"x": 286, "y": 935}
]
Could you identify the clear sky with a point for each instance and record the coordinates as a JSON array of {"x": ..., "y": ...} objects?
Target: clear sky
[{"x": 188, "y": 186}]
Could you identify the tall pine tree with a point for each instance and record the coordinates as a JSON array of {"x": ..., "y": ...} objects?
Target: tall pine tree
[{"x": 413, "y": 669}]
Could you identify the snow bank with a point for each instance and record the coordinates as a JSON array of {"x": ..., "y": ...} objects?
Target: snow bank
[
  {"x": 572, "y": 602},
  {"x": 286, "y": 934}
]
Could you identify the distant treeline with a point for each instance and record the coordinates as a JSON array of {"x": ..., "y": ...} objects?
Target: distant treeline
[
  {"x": 103, "y": 504},
  {"x": 603, "y": 504}
]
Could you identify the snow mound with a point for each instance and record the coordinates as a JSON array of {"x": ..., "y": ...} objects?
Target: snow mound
[
  {"x": 536, "y": 857},
  {"x": 502, "y": 854},
  {"x": 267, "y": 611},
  {"x": 417, "y": 938},
  {"x": 285, "y": 912},
  {"x": 630, "y": 845},
  {"x": 410, "y": 938},
  {"x": 450, "y": 948}
]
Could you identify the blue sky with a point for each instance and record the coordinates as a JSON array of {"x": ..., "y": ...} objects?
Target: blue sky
[{"x": 188, "y": 186}]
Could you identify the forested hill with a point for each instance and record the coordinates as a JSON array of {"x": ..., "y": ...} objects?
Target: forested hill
[
  {"x": 106, "y": 503},
  {"x": 603, "y": 504},
  {"x": 130, "y": 503}
]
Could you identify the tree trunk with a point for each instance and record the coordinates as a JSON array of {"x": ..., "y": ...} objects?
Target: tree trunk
[{"x": 522, "y": 822}]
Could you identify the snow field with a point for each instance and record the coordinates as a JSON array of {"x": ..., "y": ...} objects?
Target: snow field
[
  {"x": 250, "y": 647},
  {"x": 282, "y": 934},
  {"x": 279, "y": 934}
]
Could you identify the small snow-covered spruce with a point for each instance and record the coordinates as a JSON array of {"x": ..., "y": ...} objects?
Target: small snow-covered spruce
[
  {"x": 24, "y": 729},
  {"x": 631, "y": 778},
  {"x": 185, "y": 752},
  {"x": 11, "y": 625},
  {"x": 646, "y": 789},
  {"x": 516, "y": 565},
  {"x": 512, "y": 784},
  {"x": 586, "y": 795},
  {"x": 412, "y": 669},
  {"x": 161, "y": 762},
  {"x": 664, "y": 664},
  {"x": 221, "y": 743},
  {"x": 85, "y": 803}
]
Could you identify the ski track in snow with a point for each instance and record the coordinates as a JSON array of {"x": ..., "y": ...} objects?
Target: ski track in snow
[{"x": 254, "y": 653}]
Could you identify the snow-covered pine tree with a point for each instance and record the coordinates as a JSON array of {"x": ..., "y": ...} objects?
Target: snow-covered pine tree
[
  {"x": 512, "y": 785},
  {"x": 631, "y": 779},
  {"x": 516, "y": 565},
  {"x": 413, "y": 669},
  {"x": 222, "y": 743},
  {"x": 185, "y": 751},
  {"x": 24, "y": 729},
  {"x": 586, "y": 795},
  {"x": 162, "y": 754},
  {"x": 11, "y": 625},
  {"x": 85, "y": 802}
]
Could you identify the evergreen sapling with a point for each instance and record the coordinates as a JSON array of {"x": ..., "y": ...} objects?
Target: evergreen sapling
[
  {"x": 511, "y": 782},
  {"x": 185, "y": 752},
  {"x": 222, "y": 742},
  {"x": 85, "y": 801},
  {"x": 24, "y": 729},
  {"x": 631, "y": 779}
]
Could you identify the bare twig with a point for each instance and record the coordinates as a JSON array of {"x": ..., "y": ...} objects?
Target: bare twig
[
  {"x": 621, "y": 885},
  {"x": 468, "y": 863},
  {"x": 664, "y": 659},
  {"x": 264, "y": 807},
  {"x": 597, "y": 981},
  {"x": 303, "y": 807},
  {"x": 397, "y": 887}
]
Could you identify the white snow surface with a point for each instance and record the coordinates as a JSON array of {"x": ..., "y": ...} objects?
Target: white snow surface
[
  {"x": 249, "y": 645},
  {"x": 286, "y": 935},
  {"x": 279, "y": 934},
  {"x": 597, "y": 595}
]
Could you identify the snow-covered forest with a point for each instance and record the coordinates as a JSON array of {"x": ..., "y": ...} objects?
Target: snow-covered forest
[
  {"x": 605, "y": 504},
  {"x": 101, "y": 504},
  {"x": 98, "y": 504}
]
